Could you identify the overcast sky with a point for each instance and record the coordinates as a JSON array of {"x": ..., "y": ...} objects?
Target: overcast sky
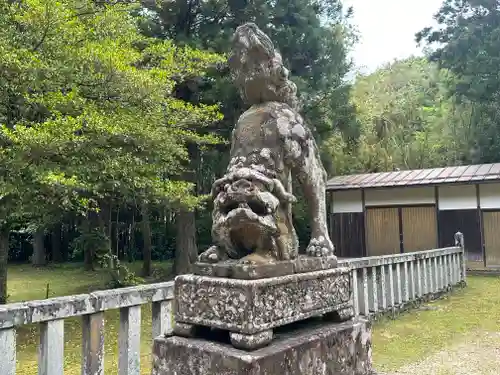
[{"x": 387, "y": 29}]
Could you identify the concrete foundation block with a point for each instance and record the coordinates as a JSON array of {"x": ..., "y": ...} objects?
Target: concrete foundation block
[{"x": 307, "y": 348}]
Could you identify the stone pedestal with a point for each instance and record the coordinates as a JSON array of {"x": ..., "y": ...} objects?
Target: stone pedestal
[
  {"x": 244, "y": 323},
  {"x": 309, "y": 348},
  {"x": 251, "y": 309}
]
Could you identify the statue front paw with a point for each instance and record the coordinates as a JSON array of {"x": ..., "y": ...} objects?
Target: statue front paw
[
  {"x": 211, "y": 255},
  {"x": 320, "y": 246}
]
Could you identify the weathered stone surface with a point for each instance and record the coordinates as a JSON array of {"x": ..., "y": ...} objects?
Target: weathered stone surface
[
  {"x": 222, "y": 269},
  {"x": 237, "y": 270},
  {"x": 185, "y": 329},
  {"x": 251, "y": 342},
  {"x": 262, "y": 271},
  {"x": 252, "y": 212},
  {"x": 231, "y": 269},
  {"x": 340, "y": 315},
  {"x": 324, "y": 349},
  {"x": 309, "y": 264},
  {"x": 252, "y": 306}
]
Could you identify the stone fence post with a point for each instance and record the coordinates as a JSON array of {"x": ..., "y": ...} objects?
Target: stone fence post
[{"x": 459, "y": 241}]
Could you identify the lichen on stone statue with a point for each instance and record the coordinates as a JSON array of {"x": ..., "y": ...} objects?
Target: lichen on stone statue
[{"x": 252, "y": 215}]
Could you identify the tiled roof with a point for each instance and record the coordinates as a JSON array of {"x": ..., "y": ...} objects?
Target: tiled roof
[{"x": 433, "y": 176}]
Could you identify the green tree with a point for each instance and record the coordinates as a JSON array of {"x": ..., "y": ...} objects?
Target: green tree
[
  {"x": 89, "y": 119},
  {"x": 465, "y": 41},
  {"x": 407, "y": 120}
]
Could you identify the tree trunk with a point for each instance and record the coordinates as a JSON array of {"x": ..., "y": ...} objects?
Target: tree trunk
[
  {"x": 57, "y": 256},
  {"x": 118, "y": 236},
  {"x": 39, "y": 256},
  {"x": 4, "y": 256},
  {"x": 104, "y": 219},
  {"x": 88, "y": 251},
  {"x": 128, "y": 244},
  {"x": 186, "y": 249},
  {"x": 66, "y": 230},
  {"x": 146, "y": 235},
  {"x": 88, "y": 263}
]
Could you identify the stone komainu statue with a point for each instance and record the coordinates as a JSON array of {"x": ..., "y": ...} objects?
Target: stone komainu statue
[{"x": 252, "y": 216}]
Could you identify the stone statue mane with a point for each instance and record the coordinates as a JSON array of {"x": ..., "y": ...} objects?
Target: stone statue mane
[
  {"x": 257, "y": 68},
  {"x": 252, "y": 214}
]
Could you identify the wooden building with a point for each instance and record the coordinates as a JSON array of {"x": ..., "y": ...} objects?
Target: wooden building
[{"x": 405, "y": 211}]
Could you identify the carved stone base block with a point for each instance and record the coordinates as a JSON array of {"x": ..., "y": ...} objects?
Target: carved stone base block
[
  {"x": 313, "y": 349},
  {"x": 254, "y": 306}
]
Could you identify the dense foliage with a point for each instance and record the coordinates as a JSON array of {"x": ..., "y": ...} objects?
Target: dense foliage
[
  {"x": 89, "y": 120},
  {"x": 407, "y": 120},
  {"x": 465, "y": 42},
  {"x": 115, "y": 116}
]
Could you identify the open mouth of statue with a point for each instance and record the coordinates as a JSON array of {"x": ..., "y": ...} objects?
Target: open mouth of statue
[
  {"x": 254, "y": 206},
  {"x": 248, "y": 222},
  {"x": 248, "y": 226}
]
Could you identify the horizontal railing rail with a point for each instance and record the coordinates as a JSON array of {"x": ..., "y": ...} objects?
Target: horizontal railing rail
[
  {"x": 382, "y": 283},
  {"x": 389, "y": 283},
  {"x": 50, "y": 314}
]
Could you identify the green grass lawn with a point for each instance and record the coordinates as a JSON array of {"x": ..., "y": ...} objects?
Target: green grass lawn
[
  {"x": 395, "y": 342},
  {"x": 413, "y": 336}
]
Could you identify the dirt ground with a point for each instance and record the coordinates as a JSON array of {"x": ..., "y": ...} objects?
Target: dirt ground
[{"x": 478, "y": 354}]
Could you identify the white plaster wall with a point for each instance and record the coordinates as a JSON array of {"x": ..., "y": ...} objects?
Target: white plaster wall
[
  {"x": 400, "y": 196},
  {"x": 347, "y": 201},
  {"x": 489, "y": 195},
  {"x": 457, "y": 197}
]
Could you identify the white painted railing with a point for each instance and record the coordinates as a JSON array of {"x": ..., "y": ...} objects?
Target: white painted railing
[
  {"x": 390, "y": 282},
  {"x": 381, "y": 284},
  {"x": 50, "y": 315}
]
